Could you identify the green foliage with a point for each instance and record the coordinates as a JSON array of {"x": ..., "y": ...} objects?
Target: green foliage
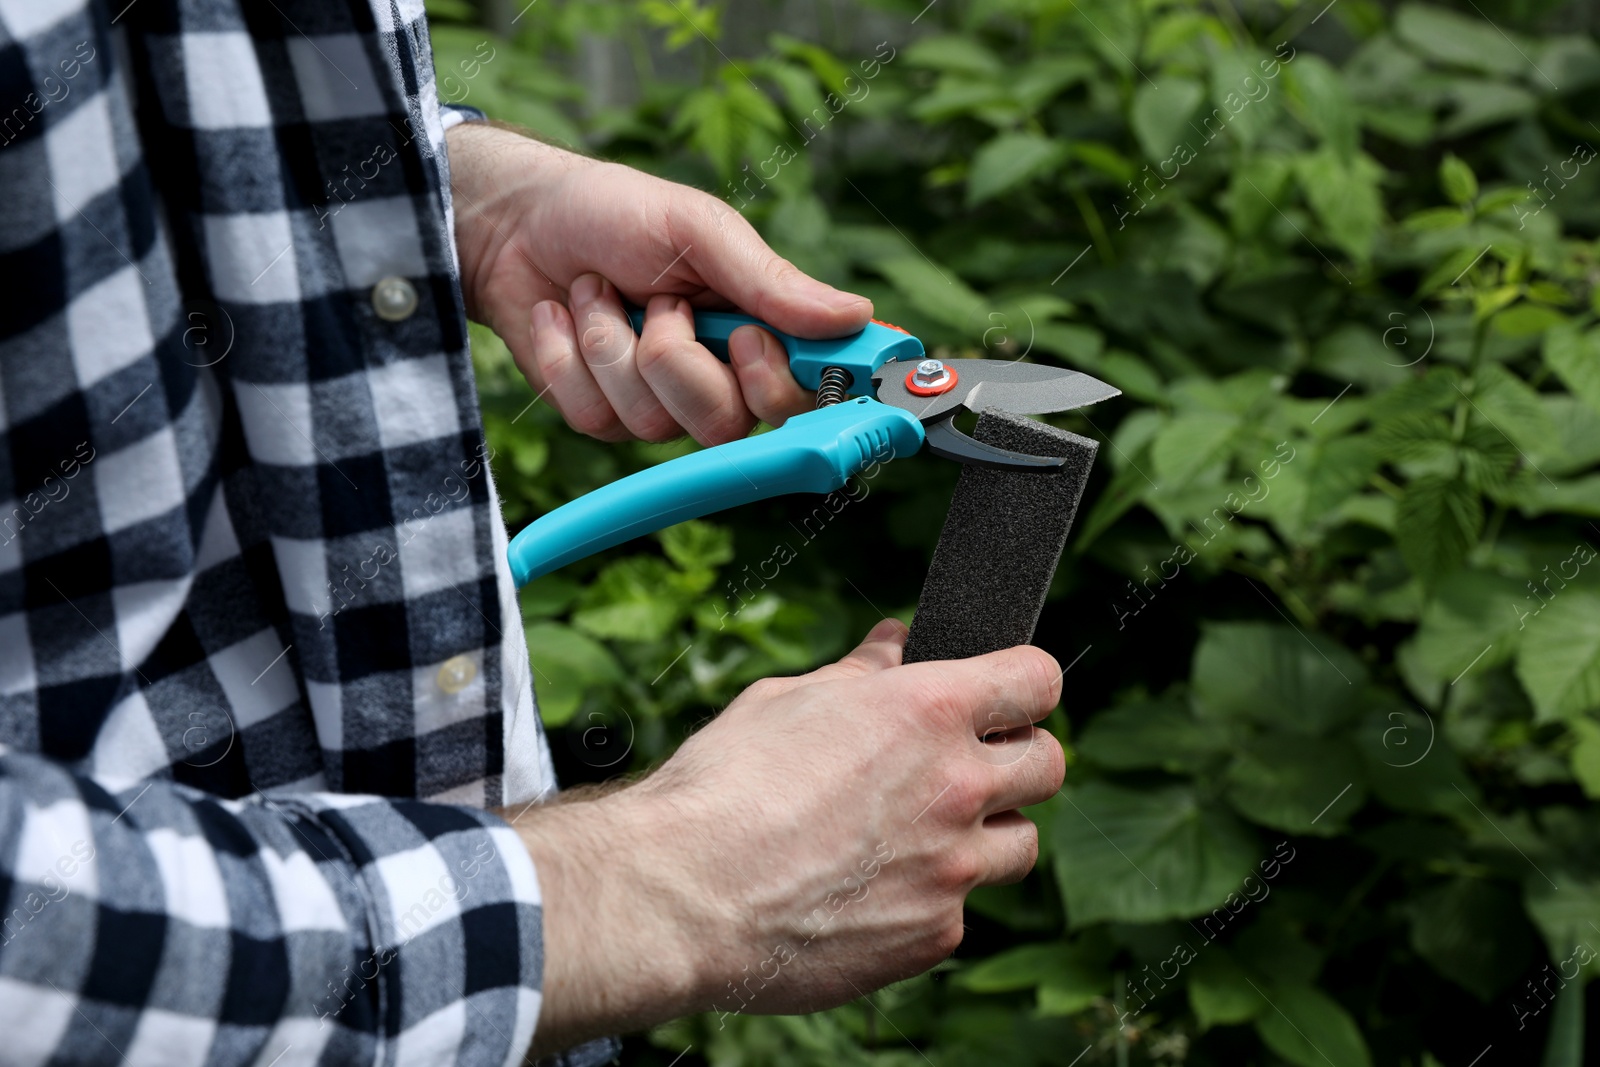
[{"x": 1337, "y": 720}]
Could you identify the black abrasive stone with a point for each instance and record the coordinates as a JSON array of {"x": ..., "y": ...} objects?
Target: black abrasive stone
[{"x": 1000, "y": 544}]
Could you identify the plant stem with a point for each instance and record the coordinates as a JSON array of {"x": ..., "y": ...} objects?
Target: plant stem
[
  {"x": 1480, "y": 335},
  {"x": 1092, "y": 220}
]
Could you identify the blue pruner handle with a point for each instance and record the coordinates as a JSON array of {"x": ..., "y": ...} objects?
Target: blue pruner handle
[
  {"x": 812, "y": 453},
  {"x": 860, "y": 353}
]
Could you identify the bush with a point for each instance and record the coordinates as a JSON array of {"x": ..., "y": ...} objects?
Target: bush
[{"x": 1331, "y": 623}]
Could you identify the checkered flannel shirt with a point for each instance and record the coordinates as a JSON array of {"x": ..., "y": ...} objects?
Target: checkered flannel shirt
[{"x": 261, "y": 668}]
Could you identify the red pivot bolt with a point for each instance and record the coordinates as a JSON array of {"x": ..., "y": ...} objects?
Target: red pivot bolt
[{"x": 930, "y": 378}]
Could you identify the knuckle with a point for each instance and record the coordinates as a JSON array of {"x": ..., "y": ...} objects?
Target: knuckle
[
  {"x": 655, "y": 426},
  {"x": 730, "y": 425},
  {"x": 967, "y": 794},
  {"x": 1027, "y": 848},
  {"x": 949, "y": 937},
  {"x": 957, "y": 871},
  {"x": 941, "y": 695},
  {"x": 763, "y": 690},
  {"x": 1054, "y": 758},
  {"x": 779, "y": 270},
  {"x": 654, "y": 355},
  {"x": 1041, "y": 675},
  {"x": 595, "y": 420}
]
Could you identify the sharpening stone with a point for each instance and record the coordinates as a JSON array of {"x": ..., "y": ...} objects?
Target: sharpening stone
[{"x": 1000, "y": 544}]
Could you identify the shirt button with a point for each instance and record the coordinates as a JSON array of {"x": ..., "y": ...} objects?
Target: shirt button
[
  {"x": 394, "y": 298},
  {"x": 456, "y": 673}
]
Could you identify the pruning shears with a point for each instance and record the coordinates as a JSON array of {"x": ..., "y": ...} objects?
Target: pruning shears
[{"x": 878, "y": 398}]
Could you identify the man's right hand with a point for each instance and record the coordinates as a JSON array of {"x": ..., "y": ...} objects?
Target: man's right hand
[{"x": 812, "y": 843}]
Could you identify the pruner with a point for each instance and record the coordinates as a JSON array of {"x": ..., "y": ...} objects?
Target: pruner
[{"x": 878, "y": 398}]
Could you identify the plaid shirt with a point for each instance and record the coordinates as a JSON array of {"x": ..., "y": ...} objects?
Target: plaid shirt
[{"x": 261, "y": 667}]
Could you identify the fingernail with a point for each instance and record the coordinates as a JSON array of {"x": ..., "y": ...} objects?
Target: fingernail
[
  {"x": 840, "y": 298},
  {"x": 541, "y": 317},
  {"x": 586, "y": 288},
  {"x": 734, "y": 349}
]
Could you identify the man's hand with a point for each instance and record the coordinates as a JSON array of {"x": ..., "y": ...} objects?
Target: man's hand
[
  {"x": 551, "y": 243},
  {"x": 812, "y": 843}
]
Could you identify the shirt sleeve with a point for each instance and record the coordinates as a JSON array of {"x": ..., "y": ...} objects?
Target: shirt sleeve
[
  {"x": 159, "y": 924},
  {"x": 455, "y": 114}
]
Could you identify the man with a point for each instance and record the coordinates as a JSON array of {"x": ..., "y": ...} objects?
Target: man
[{"x": 269, "y": 755}]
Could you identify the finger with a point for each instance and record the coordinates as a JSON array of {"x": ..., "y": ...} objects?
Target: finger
[
  {"x": 698, "y": 390},
  {"x": 1010, "y": 845},
  {"x": 727, "y": 253},
  {"x": 554, "y": 368},
  {"x": 991, "y": 693},
  {"x": 768, "y": 386},
  {"x": 881, "y": 649},
  {"x": 1027, "y": 767},
  {"x": 608, "y": 345}
]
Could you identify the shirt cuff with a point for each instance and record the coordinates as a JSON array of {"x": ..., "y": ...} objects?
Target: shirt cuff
[
  {"x": 455, "y": 924},
  {"x": 590, "y": 1054},
  {"x": 451, "y": 115}
]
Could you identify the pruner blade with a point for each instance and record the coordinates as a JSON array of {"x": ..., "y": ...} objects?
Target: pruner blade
[{"x": 980, "y": 385}]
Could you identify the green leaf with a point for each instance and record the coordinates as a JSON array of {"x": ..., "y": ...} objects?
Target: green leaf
[
  {"x": 1275, "y": 676},
  {"x": 1559, "y": 664},
  {"x": 1325, "y": 103},
  {"x": 1037, "y": 83},
  {"x": 1574, "y": 354},
  {"x": 1473, "y": 932},
  {"x": 694, "y": 544},
  {"x": 1411, "y": 766},
  {"x": 1161, "y": 112},
  {"x": 1479, "y": 103},
  {"x": 1255, "y": 187},
  {"x": 1527, "y": 320},
  {"x": 827, "y": 68},
  {"x": 957, "y": 96},
  {"x": 1026, "y": 966},
  {"x": 634, "y": 620},
  {"x": 566, "y": 667},
  {"x": 1343, "y": 194},
  {"x": 1585, "y": 756},
  {"x": 1439, "y": 520},
  {"x": 1457, "y": 180},
  {"x": 1299, "y": 784},
  {"x": 1564, "y": 1046},
  {"x": 1155, "y": 734},
  {"x": 1008, "y": 161},
  {"x": 1238, "y": 103},
  {"x": 1143, "y": 855},
  {"x": 954, "y": 52},
  {"x": 638, "y": 598},
  {"x": 1220, "y": 991},
  {"x": 1565, "y": 915},
  {"x": 1069, "y": 976},
  {"x": 1434, "y": 219},
  {"x": 1474, "y": 620},
  {"x": 935, "y": 291},
  {"x": 713, "y": 128},
  {"x": 1339, "y": 469},
  {"x": 1458, "y": 39},
  {"x": 1512, "y": 407},
  {"x": 1190, "y": 443},
  {"x": 1309, "y": 1028},
  {"x": 548, "y": 596},
  {"x": 1273, "y": 946}
]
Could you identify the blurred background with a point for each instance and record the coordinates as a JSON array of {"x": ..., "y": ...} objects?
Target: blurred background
[{"x": 1331, "y": 613}]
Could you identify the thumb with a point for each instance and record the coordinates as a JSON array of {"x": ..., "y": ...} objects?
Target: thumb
[
  {"x": 881, "y": 649},
  {"x": 732, "y": 259}
]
